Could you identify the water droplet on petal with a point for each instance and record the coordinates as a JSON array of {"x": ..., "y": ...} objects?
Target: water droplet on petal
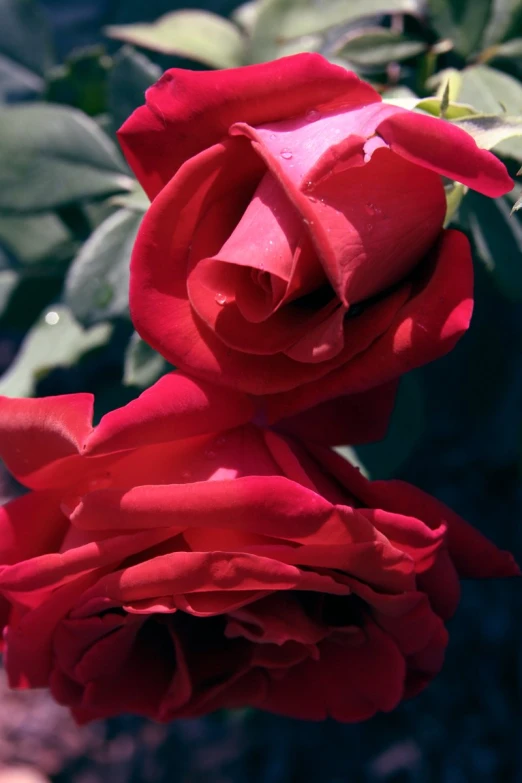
[
  {"x": 312, "y": 199},
  {"x": 221, "y": 299},
  {"x": 286, "y": 154},
  {"x": 210, "y": 454},
  {"x": 312, "y": 115},
  {"x": 308, "y": 184},
  {"x": 369, "y": 228},
  {"x": 371, "y": 209},
  {"x": 185, "y": 475},
  {"x": 272, "y": 136},
  {"x": 100, "y": 482},
  {"x": 221, "y": 440}
]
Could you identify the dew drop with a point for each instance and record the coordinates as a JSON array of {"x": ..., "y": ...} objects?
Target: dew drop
[
  {"x": 369, "y": 228},
  {"x": 286, "y": 154},
  {"x": 272, "y": 136},
  {"x": 185, "y": 475},
  {"x": 308, "y": 184},
  {"x": 52, "y": 318},
  {"x": 210, "y": 454},
  {"x": 371, "y": 209},
  {"x": 100, "y": 482},
  {"x": 312, "y": 115},
  {"x": 221, "y": 299},
  {"x": 312, "y": 199}
]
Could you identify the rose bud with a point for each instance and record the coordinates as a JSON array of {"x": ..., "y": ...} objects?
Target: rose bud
[{"x": 295, "y": 247}]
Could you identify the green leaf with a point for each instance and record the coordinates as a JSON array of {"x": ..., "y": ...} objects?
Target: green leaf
[
  {"x": 197, "y": 35},
  {"x": 383, "y": 459},
  {"x": 55, "y": 341},
  {"x": 400, "y": 95},
  {"x": 136, "y": 199},
  {"x": 307, "y": 43},
  {"x": 377, "y": 47},
  {"x": 454, "y": 195},
  {"x": 96, "y": 286},
  {"x": 82, "y": 81},
  {"x": 445, "y": 100},
  {"x": 505, "y": 22},
  {"x": 497, "y": 239},
  {"x": 489, "y": 91},
  {"x": 8, "y": 282},
  {"x": 448, "y": 78},
  {"x": 463, "y": 21},
  {"x": 516, "y": 206},
  {"x": 132, "y": 73},
  {"x": 33, "y": 239},
  {"x": 51, "y": 155},
  {"x": 490, "y": 130},
  {"x": 281, "y": 20},
  {"x": 350, "y": 455},
  {"x": 453, "y": 110},
  {"x": 143, "y": 365},
  {"x": 504, "y": 50},
  {"x": 25, "y": 48},
  {"x": 245, "y": 15}
]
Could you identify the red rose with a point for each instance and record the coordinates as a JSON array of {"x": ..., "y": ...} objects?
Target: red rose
[
  {"x": 294, "y": 248},
  {"x": 177, "y": 558}
]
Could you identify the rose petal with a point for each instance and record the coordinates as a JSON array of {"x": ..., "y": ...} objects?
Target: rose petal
[
  {"x": 175, "y": 407},
  {"x": 35, "y": 434},
  {"x": 446, "y": 149},
  {"x": 427, "y": 326},
  {"x": 189, "y": 111},
  {"x": 350, "y": 419}
]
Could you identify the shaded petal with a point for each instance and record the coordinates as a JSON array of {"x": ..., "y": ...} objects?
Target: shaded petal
[
  {"x": 348, "y": 683},
  {"x": 425, "y": 664},
  {"x": 409, "y": 534},
  {"x": 35, "y": 433},
  {"x": 350, "y": 419},
  {"x": 176, "y": 407},
  {"x": 276, "y": 619},
  {"x": 427, "y": 326},
  {"x": 30, "y": 526},
  {"x": 473, "y": 555},
  {"x": 29, "y": 638},
  {"x": 441, "y": 584}
]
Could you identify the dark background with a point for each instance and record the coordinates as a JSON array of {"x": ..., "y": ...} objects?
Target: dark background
[{"x": 457, "y": 433}]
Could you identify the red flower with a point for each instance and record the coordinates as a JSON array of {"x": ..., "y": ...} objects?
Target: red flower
[
  {"x": 177, "y": 558},
  {"x": 294, "y": 248}
]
